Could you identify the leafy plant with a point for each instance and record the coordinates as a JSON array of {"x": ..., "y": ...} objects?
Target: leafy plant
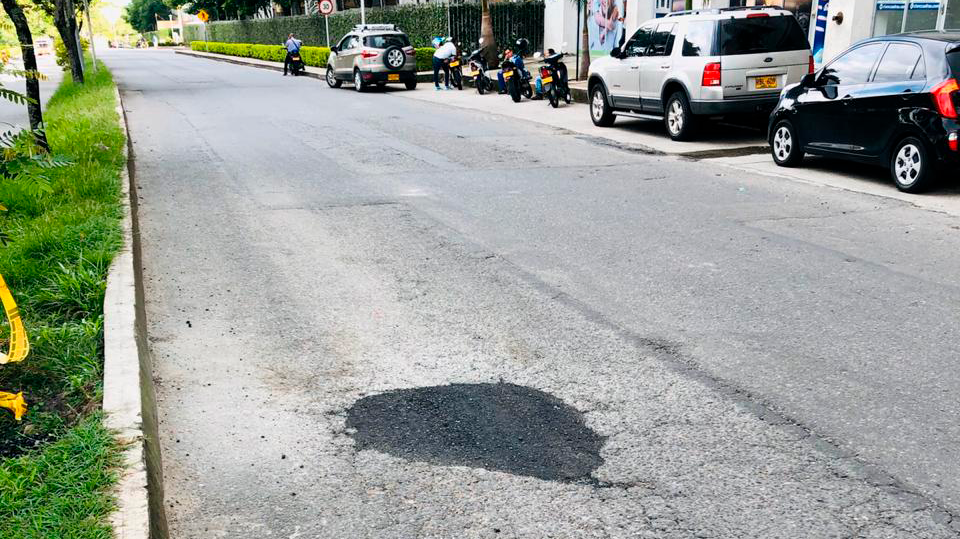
[{"x": 60, "y": 51}]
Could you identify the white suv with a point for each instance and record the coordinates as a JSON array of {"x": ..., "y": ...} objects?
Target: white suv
[{"x": 700, "y": 63}]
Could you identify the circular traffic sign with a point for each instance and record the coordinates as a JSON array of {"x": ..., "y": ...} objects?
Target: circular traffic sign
[{"x": 326, "y": 7}]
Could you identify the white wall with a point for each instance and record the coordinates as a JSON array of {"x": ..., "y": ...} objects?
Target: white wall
[
  {"x": 560, "y": 24},
  {"x": 857, "y": 25}
]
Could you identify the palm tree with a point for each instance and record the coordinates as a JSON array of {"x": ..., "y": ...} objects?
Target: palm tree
[
  {"x": 584, "y": 6},
  {"x": 486, "y": 33}
]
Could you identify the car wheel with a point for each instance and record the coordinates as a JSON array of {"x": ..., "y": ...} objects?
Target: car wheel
[
  {"x": 411, "y": 84},
  {"x": 357, "y": 80},
  {"x": 600, "y": 111},
  {"x": 784, "y": 146},
  {"x": 332, "y": 78},
  {"x": 910, "y": 166},
  {"x": 679, "y": 119}
]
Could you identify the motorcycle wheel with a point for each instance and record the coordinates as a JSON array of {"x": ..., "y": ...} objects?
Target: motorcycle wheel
[
  {"x": 457, "y": 78},
  {"x": 567, "y": 97},
  {"x": 552, "y": 96},
  {"x": 514, "y": 90},
  {"x": 527, "y": 90},
  {"x": 481, "y": 83}
]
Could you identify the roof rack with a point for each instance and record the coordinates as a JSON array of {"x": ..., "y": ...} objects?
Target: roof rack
[
  {"x": 717, "y": 11},
  {"x": 374, "y": 27}
]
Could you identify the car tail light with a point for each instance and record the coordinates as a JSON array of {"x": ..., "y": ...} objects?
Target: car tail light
[
  {"x": 755, "y": 15},
  {"x": 810, "y": 66},
  {"x": 952, "y": 141},
  {"x": 711, "y": 74},
  {"x": 369, "y": 54},
  {"x": 943, "y": 98},
  {"x": 544, "y": 72}
]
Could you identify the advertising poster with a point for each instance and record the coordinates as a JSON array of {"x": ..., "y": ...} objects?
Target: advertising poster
[
  {"x": 604, "y": 26},
  {"x": 820, "y": 31}
]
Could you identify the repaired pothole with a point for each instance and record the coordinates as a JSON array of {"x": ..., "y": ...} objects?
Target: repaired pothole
[{"x": 503, "y": 427}]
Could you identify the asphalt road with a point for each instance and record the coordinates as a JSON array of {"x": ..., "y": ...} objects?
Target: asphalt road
[{"x": 638, "y": 346}]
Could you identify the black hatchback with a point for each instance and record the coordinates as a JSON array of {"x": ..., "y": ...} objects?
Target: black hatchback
[{"x": 889, "y": 100}]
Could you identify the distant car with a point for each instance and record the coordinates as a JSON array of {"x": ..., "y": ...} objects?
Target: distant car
[
  {"x": 372, "y": 54},
  {"x": 889, "y": 100},
  {"x": 43, "y": 46},
  {"x": 712, "y": 62}
]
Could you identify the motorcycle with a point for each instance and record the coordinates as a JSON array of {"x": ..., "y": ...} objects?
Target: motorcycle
[
  {"x": 456, "y": 71},
  {"x": 516, "y": 78},
  {"x": 478, "y": 70},
  {"x": 553, "y": 80},
  {"x": 296, "y": 64}
]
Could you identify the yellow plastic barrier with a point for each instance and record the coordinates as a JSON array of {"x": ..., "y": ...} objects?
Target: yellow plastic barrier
[{"x": 19, "y": 348}]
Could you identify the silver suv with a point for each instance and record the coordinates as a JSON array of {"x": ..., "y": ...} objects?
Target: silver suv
[
  {"x": 700, "y": 63},
  {"x": 372, "y": 54}
]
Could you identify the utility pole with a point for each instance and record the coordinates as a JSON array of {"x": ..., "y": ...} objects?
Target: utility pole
[
  {"x": 363, "y": 12},
  {"x": 93, "y": 51}
]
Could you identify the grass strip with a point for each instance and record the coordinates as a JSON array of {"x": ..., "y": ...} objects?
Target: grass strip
[{"x": 57, "y": 465}]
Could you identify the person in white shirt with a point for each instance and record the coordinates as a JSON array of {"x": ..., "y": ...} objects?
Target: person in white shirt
[{"x": 441, "y": 57}]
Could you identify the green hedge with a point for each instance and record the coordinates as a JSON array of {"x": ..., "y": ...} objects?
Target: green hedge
[
  {"x": 421, "y": 22},
  {"x": 312, "y": 56}
]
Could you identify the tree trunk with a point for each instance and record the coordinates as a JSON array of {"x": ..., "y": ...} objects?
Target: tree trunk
[
  {"x": 585, "y": 43},
  {"x": 64, "y": 18},
  {"x": 34, "y": 111},
  {"x": 486, "y": 33}
]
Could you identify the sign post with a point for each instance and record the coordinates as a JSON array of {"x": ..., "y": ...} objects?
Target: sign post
[
  {"x": 204, "y": 17},
  {"x": 326, "y": 7}
]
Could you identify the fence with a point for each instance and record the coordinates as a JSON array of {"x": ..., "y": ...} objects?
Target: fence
[{"x": 511, "y": 20}]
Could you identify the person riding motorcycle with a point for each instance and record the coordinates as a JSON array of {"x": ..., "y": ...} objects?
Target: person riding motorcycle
[{"x": 293, "y": 47}]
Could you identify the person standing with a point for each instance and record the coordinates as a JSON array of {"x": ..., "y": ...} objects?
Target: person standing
[
  {"x": 293, "y": 47},
  {"x": 441, "y": 59}
]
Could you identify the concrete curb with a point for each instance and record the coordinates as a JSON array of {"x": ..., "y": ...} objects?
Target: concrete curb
[
  {"x": 129, "y": 404},
  {"x": 309, "y": 71}
]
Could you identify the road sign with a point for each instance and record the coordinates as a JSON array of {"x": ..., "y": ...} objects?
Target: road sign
[
  {"x": 326, "y": 7},
  {"x": 203, "y": 15}
]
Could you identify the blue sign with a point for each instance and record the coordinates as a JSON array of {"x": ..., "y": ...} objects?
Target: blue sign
[
  {"x": 820, "y": 31},
  {"x": 929, "y": 6},
  {"x": 891, "y": 6}
]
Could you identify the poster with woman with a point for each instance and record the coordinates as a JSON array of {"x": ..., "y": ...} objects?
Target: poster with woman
[{"x": 604, "y": 26}]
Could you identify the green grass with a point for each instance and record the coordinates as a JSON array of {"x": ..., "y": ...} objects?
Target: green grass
[{"x": 56, "y": 465}]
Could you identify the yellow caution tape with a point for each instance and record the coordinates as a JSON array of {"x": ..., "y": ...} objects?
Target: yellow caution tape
[
  {"x": 19, "y": 346},
  {"x": 14, "y": 403}
]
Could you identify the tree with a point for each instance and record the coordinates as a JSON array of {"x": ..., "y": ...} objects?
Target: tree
[
  {"x": 486, "y": 33},
  {"x": 143, "y": 14},
  {"x": 584, "y": 6},
  {"x": 30, "y": 72},
  {"x": 64, "y": 14}
]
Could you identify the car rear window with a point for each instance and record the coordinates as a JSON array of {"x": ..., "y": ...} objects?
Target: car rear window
[
  {"x": 755, "y": 35},
  {"x": 953, "y": 58},
  {"x": 700, "y": 39},
  {"x": 384, "y": 41}
]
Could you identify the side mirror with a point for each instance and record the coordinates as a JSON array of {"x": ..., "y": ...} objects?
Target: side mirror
[
  {"x": 615, "y": 52},
  {"x": 808, "y": 80},
  {"x": 334, "y": 49},
  {"x": 480, "y": 41},
  {"x": 537, "y": 55}
]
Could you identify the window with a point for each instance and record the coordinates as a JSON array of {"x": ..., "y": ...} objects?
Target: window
[
  {"x": 901, "y": 62},
  {"x": 663, "y": 40},
  {"x": 699, "y": 40},
  {"x": 757, "y": 35},
  {"x": 637, "y": 46},
  {"x": 387, "y": 40},
  {"x": 854, "y": 67}
]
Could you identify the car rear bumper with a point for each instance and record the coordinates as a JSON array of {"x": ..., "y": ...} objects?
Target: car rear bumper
[
  {"x": 722, "y": 107},
  {"x": 948, "y": 157},
  {"x": 384, "y": 76}
]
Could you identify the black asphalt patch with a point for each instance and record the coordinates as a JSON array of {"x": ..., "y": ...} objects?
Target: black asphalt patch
[{"x": 502, "y": 427}]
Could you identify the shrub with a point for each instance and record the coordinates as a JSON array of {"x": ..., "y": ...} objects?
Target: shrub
[
  {"x": 61, "y": 52},
  {"x": 312, "y": 56},
  {"x": 420, "y": 21}
]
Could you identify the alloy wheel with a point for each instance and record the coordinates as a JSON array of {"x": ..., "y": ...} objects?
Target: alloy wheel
[
  {"x": 782, "y": 143},
  {"x": 331, "y": 78},
  {"x": 597, "y": 105},
  {"x": 908, "y": 165},
  {"x": 357, "y": 81},
  {"x": 395, "y": 58},
  {"x": 675, "y": 117}
]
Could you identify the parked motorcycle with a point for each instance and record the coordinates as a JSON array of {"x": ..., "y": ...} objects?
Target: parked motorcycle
[
  {"x": 516, "y": 78},
  {"x": 478, "y": 70},
  {"x": 456, "y": 71},
  {"x": 553, "y": 80}
]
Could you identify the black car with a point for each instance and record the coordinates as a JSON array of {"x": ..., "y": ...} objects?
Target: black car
[{"x": 889, "y": 100}]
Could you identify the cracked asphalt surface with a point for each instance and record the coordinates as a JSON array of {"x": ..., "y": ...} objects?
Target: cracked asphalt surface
[{"x": 759, "y": 357}]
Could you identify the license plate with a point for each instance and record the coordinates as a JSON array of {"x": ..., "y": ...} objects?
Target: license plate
[
  {"x": 762, "y": 83},
  {"x": 454, "y": 64},
  {"x": 474, "y": 73},
  {"x": 393, "y": 76},
  {"x": 547, "y": 80},
  {"x": 507, "y": 74}
]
